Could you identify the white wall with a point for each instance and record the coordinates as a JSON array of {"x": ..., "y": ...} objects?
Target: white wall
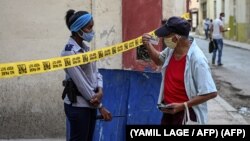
[
  {"x": 173, "y": 8},
  {"x": 229, "y": 11},
  {"x": 31, "y": 106},
  {"x": 218, "y": 8},
  {"x": 108, "y": 27},
  {"x": 241, "y": 11},
  {"x": 34, "y": 29},
  {"x": 211, "y": 11}
]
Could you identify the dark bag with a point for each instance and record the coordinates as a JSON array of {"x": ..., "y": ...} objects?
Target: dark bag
[{"x": 211, "y": 46}]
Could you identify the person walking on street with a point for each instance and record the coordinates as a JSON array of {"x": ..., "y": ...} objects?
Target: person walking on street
[
  {"x": 217, "y": 30},
  {"x": 186, "y": 75},
  {"x": 206, "y": 28},
  {"x": 210, "y": 26},
  {"x": 83, "y": 93}
]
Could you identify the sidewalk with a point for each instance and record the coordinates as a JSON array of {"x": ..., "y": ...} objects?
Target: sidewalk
[
  {"x": 226, "y": 42},
  {"x": 222, "y": 113}
]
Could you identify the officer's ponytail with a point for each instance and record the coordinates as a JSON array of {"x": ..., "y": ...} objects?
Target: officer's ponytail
[{"x": 69, "y": 16}]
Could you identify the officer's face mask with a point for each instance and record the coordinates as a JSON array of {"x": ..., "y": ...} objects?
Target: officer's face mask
[
  {"x": 87, "y": 36},
  {"x": 170, "y": 43}
]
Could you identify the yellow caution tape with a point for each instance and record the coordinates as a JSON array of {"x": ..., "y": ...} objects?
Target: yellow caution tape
[
  {"x": 186, "y": 16},
  {"x": 9, "y": 70}
]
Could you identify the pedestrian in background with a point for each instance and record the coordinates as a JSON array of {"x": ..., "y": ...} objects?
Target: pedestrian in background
[
  {"x": 210, "y": 27},
  {"x": 83, "y": 84},
  {"x": 206, "y": 27},
  {"x": 217, "y": 30},
  {"x": 186, "y": 76}
]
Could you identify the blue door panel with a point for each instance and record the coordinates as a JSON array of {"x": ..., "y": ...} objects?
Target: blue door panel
[
  {"x": 143, "y": 96},
  {"x": 131, "y": 97}
]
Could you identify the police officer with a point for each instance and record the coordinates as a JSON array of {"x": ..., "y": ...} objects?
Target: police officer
[{"x": 83, "y": 84}]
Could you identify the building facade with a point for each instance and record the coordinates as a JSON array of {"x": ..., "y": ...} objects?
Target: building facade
[
  {"x": 194, "y": 13},
  {"x": 237, "y": 16}
]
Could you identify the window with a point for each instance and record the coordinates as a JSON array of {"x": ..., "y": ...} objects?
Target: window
[{"x": 142, "y": 53}]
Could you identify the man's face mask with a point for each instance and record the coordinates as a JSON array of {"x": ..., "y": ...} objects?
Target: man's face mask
[
  {"x": 169, "y": 42},
  {"x": 223, "y": 18},
  {"x": 87, "y": 36}
]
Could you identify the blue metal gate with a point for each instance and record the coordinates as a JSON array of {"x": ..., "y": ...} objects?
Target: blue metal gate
[{"x": 131, "y": 96}]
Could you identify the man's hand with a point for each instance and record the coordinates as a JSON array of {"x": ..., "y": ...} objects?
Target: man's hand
[
  {"x": 145, "y": 39},
  {"x": 153, "y": 53},
  {"x": 107, "y": 116},
  {"x": 174, "y": 108}
]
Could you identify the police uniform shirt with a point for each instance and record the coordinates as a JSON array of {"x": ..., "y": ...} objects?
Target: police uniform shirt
[{"x": 86, "y": 77}]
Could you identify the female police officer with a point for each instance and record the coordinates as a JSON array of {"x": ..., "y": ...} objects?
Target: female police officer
[{"x": 83, "y": 88}]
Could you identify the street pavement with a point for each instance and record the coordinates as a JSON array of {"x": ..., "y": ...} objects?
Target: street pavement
[
  {"x": 236, "y": 66},
  {"x": 220, "y": 111}
]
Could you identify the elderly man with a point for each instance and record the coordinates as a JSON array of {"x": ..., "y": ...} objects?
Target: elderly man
[{"x": 186, "y": 75}]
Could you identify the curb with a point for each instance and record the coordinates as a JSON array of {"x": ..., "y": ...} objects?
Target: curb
[
  {"x": 229, "y": 43},
  {"x": 230, "y": 110},
  {"x": 237, "y": 45}
]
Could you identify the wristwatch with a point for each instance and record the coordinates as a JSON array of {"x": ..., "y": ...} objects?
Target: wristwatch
[{"x": 100, "y": 106}]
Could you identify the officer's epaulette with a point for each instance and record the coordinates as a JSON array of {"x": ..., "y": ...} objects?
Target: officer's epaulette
[{"x": 68, "y": 47}]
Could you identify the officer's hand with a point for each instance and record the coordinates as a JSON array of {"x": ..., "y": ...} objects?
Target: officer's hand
[
  {"x": 107, "y": 116},
  {"x": 96, "y": 99}
]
